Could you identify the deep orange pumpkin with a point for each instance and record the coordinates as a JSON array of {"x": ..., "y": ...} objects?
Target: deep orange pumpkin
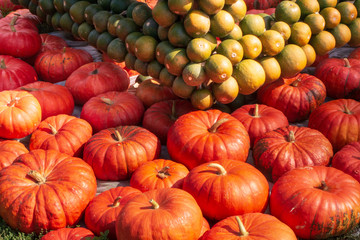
[
  {"x": 203, "y": 136},
  {"x": 78, "y": 233},
  {"x": 45, "y": 190},
  {"x": 316, "y": 202},
  {"x": 9, "y": 151},
  {"x": 161, "y": 214},
  {"x": 278, "y": 151},
  {"x": 227, "y": 187},
  {"x": 348, "y": 160},
  {"x": 102, "y": 211}
]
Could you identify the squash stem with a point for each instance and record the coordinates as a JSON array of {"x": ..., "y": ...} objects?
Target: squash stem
[
  {"x": 13, "y": 22},
  {"x": 163, "y": 173},
  {"x": 118, "y": 136},
  {"x": 243, "y": 232},
  {"x": 256, "y": 111},
  {"x": 291, "y": 136},
  {"x": 154, "y": 204},
  {"x": 221, "y": 169},
  {"x": 29, "y": 89},
  {"x": 172, "y": 116},
  {"x": 116, "y": 202},
  {"x": 323, "y": 186},
  {"x": 108, "y": 101},
  {"x": 295, "y": 83},
  {"x": 2, "y": 64},
  {"x": 40, "y": 179},
  {"x": 347, "y": 63},
  {"x": 347, "y": 110},
  {"x": 64, "y": 49},
  {"x": 217, "y": 124},
  {"x": 53, "y": 129}
]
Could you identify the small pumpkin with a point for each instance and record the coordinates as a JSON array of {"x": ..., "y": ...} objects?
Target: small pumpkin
[
  {"x": 78, "y": 233},
  {"x": 9, "y": 151}
]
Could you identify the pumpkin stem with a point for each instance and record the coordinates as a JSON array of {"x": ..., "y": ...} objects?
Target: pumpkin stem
[
  {"x": 108, "y": 101},
  {"x": 64, "y": 49},
  {"x": 323, "y": 186},
  {"x": 243, "y": 232},
  {"x": 154, "y": 204},
  {"x": 37, "y": 177},
  {"x": 118, "y": 136},
  {"x": 116, "y": 202},
  {"x": 296, "y": 82},
  {"x": 256, "y": 111},
  {"x": 2, "y": 64},
  {"x": 221, "y": 169},
  {"x": 347, "y": 110},
  {"x": 94, "y": 72},
  {"x": 217, "y": 124},
  {"x": 347, "y": 63},
  {"x": 163, "y": 173},
  {"x": 12, "y": 23},
  {"x": 172, "y": 116},
  {"x": 291, "y": 136},
  {"x": 53, "y": 129},
  {"x": 29, "y": 89},
  {"x": 13, "y": 102}
]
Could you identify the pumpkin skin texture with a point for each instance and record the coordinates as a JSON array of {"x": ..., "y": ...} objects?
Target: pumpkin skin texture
[
  {"x": 258, "y": 226},
  {"x": 112, "y": 109},
  {"x": 160, "y": 116},
  {"x": 355, "y": 54},
  {"x": 61, "y": 133},
  {"x": 278, "y": 151},
  {"x": 9, "y": 151},
  {"x": 102, "y": 211},
  {"x": 95, "y": 78},
  {"x": 45, "y": 189},
  {"x": 15, "y": 73},
  {"x": 261, "y": 4},
  {"x": 115, "y": 153},
  {"x": 227, "y": 187},
  {"x": 159, "y": 173},
  {"x": 316, "y": 202},
  {"x": 178, "y": 217},
  {"x": 20, "y": 114},
  {"x": 54, "y": 99},
  {"x": 259, "y": 119},
  {"x": 296, "y": 97},
  {"x": 338, "y": 120},
  {"x": 78, "y": 233},
  {"x": 347, "y": 160},
  {"x": 57, "y": 65},
  {"x": 341, "y": 77},
  {"x": 203, "y": 136}
]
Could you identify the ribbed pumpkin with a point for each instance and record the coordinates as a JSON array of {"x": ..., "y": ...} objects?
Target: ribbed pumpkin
[
  {"x": 78, "y": 233},
  {"x": 9, "y": 151},
  {"x": 348, "y": 160},
  {"x": 296, "y": 97},
  {"x": 203, "y": 136}
]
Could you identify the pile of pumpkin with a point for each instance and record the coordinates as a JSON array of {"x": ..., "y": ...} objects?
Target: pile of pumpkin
[{"x": 51, "y": 183}]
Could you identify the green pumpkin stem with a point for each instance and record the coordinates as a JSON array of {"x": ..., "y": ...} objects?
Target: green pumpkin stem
[
  {"x": 154, "y": 204},
  {"x": 295, "y": 83},
  {"x": 221, "y": 169},
  {"x": 291, "y": 136},
  {"x": 172, "y": 116},
  {"x": 116, "y": 202},
  {"x": 118, "y": 136},
  {"x": 13, "y": 22},
  {"x": 40, "y": 179},
  {"x": 243, "y": 232},
  {"x": 29, "y": 89},
  {"x": 53, "y": 129},
  {"x": 217, "y": 124},
  {"x": 64, "y": 49},
  {"x": 323, "y": 186},
  {"x": 347, "y": 110},
  {"x": 347, "y": 63},
  {"x": 256, "y": 111},
  {"x": 2, "y": 64},
  {"x": 163, "y": 173},
  {"x": 108, "y": 101}
]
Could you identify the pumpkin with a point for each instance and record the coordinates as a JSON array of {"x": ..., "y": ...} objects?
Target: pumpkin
[
  {"x": 278, "y": 151},
  {"x": 205, "y": 227},
  {"x": 9, "y": 151},
  {"x": 61, "y": 133},
  {"x": 347, "y": 160},
  {"x": 45, "y": 190},
  {"x": 54, "y": 99},
  {"x": 227, "y": 187},
  {"x": 20, "y": 114},
  {"x": 355, "y": 53},
  {"x": 25, "y": 14},
  {"x": 203, "y": 136},
  {"x": 319, "y": 58},
  {"x": 78, "y": 233},
  {"x": 115, "y": 153},
  {"x": 338, "y": 120},
  {"x": 102, "y": 211},
  {"x": 18, "y": 40},
  {"x": 341, "y": 77},
  {"x": 175, "y": 213},
  {"x": 296, "y": 97},
  {"x": 250, "y": 226},
  {"x": 57, "y": 65},
  {"x": 261, "y": 4},
  {"x": 316, "y": 202},
  {"x": 95, "y": 78},
  {"x": 259, "y": 119},
  {"x": 7, "y": 6},
  {"x": 159, "y": 173},
  {"x": 112, "y": 109},
  {"x": 15, "y": 73},
  {"x": 106, "y": 58},
  {"x": 151, "y": 91},
  {"x": 160, "y": 116}
]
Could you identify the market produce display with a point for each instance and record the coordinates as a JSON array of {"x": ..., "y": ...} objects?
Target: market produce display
[{"x": 180, "y": 119}]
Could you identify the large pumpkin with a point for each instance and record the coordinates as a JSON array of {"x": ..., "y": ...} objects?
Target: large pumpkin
[
  {"x": 45, "y": 190},
  {"x": 296, "y": 97},
  {"x": 115, "y": 153},
  {"x": 161, "y": 214},
  {"x": 316, "y": 202},
  {"x": 61, "y": 133},
  {"x": 341, "y": 77},
  {"x": 96, "y": 78},
  {"x": 102, "y": 211},
  {"x": 250, "y": 226},
  {"x": 227, "y": 187},
  {"x": 286, "y": 148},
  {"x": 20, "y": 114},
  {"x": 9, "y": 151},
  {"x": 259, "y": 119},
  {"x": 112, "y": 109},
  {"x": 78, "y": 233},
  {"x": 57, "y": 65},
  {"x": 203, "y": 136},
  {"x": 348, "y": 160},
  {"x": 338, "y": 120}
]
